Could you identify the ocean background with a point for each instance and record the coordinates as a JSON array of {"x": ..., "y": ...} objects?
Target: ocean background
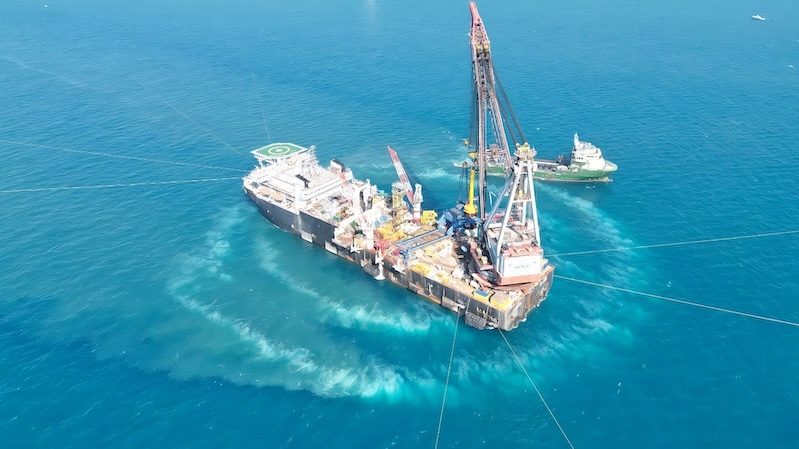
[{"x": 174, "y": 315}]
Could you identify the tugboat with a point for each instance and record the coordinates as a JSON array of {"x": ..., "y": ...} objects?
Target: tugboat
[{"x": 584, "y": 164}]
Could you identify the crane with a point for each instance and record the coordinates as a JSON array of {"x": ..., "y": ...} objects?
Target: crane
[
  {"x": 490, "y": 108},
  {"x": 401, "y": 174},
  {"x": 414, "y": 196},
  {"x": 510, "y": 232}
]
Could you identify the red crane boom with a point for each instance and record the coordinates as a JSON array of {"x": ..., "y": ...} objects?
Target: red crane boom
[{"x": 403, "y": 177}]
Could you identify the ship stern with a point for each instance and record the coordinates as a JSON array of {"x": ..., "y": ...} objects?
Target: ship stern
[{"x": 533, "y": 297}]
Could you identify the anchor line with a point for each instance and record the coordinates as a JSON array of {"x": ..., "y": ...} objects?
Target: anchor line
[
  {"x": 119, "y": 156},
  {"x": 449, "y": 370},
  {"x": 194, "y": 122},
  {"x": 682, "y": 301},
  {"x": 204, "y": 129},
  {"x": 207, "y": 131},
  {"x": 109, "y": 186},
  {"x": 681, "y": 243},
  {"x": 261, "y": 107},
  {"x": 538, "y": 392}
]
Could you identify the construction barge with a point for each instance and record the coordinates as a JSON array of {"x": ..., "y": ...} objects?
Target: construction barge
[
  {"x": 442, "y": 260},
  {"x": 481, "y": 258}
]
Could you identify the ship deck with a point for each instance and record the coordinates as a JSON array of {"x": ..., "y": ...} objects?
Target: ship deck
[{"x": 435, "y": 258}]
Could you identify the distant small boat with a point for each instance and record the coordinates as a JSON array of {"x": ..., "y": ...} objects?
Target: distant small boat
[{"x": 758, "y": 17}]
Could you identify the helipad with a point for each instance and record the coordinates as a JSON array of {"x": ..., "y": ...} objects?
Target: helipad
[{"x": 278, "y": 150}]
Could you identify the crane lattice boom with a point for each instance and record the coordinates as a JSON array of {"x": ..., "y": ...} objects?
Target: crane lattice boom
[
  {"x": 401, "y": 174},
  {"x": 490, "y": 110}
]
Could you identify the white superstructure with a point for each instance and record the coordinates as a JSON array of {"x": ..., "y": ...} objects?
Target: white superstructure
[
  {"x": 291, "y": 176},
  {"x": 589, "y": 157}
]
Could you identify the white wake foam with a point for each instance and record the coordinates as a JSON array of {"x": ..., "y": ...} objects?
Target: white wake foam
[
  {"x": 450, "y": 172},
  {"x": 241, "y": 353},
  {"x": 353, "y": 311}
]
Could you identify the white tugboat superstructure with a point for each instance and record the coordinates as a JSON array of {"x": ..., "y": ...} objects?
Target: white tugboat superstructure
[{"x": 589, "y": 157}]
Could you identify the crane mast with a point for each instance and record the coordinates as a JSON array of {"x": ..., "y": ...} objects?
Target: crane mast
[
  {"x": 510, "y": 232},
  {"x": 491, "y": 147}
]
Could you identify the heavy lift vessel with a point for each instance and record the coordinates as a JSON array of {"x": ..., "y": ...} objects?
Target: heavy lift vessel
[{"x": 481, "y": 260}]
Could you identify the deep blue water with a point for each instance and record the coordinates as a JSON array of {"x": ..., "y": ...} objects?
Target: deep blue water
[{"x": 175, "y": 316}]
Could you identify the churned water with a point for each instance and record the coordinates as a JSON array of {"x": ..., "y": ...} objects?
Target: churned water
[{"x": 174, "y": 315}]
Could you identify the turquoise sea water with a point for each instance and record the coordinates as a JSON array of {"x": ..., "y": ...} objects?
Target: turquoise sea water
[{"x": 175, "y": 316}]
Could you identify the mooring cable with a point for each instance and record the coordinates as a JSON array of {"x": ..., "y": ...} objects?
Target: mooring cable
[
  {"x": 119, "y": 156},
  {"x": 207, "y": 131},
  {"x": 204, "y": 129},
  {"x": 449, "y": 370},
  {"x": 261, "y": 107},
  {"x": 538, "y": 392},
  {"x": 682, "y": 243},
  {"x": 681, "y": 301},
  {"x": 194, "y": 122},
  {"x": 109, "y": 186}
]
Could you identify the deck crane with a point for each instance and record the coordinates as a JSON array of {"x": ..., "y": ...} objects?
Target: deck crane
[{"x": 414, "y": 196}]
